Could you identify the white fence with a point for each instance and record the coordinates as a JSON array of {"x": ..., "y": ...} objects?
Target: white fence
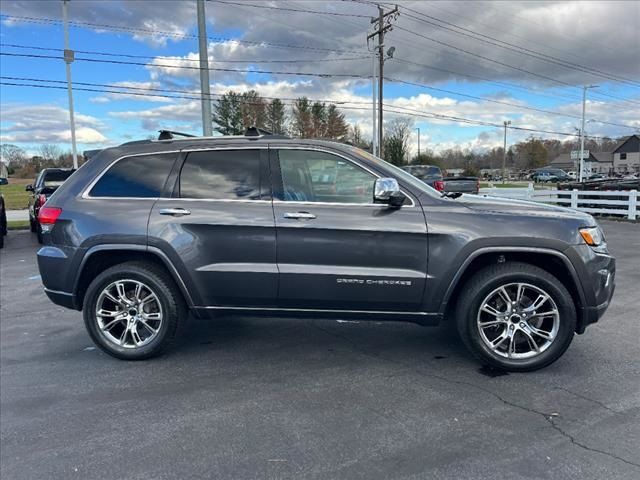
[{"x": 610, "y": 202}]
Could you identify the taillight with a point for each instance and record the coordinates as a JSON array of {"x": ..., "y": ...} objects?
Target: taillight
[
  {"x": 49, "y": 215},
  {"x": 438, "y": 185},
  {"x": 42, "y": 199}
]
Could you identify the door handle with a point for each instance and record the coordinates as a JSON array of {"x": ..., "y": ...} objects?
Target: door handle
[
  {"x": 300, "y": 215},
  {"x": 175, "y": 212}
]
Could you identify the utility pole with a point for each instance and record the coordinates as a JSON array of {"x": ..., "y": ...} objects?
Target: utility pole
[
  {"x": 205, "y": 93},
  {"x": 68, "y": 60},
  {"x": 374, "y": 143},
  {"x": 504, "y": 156},
  {"x": 418, "y": 129},
  {"x": 382, "y": 26},
  {"x": 584, "y": 106}
]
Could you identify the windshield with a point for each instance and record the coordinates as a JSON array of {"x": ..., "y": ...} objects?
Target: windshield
[{"x": 398, "y": 173}]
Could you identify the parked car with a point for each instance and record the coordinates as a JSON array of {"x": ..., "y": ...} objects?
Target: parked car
[
  {"x": 572, "y": 174},
  {"x": 544, "y": 177},
  {"x": 429, "y": 174},
  {"x": 550, "y": 175},
  {"x": 147, "y": 231},
  {"x": 47, "y": 181}
]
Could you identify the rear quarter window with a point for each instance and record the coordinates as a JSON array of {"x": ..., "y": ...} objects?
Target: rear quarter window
[{"x": 141, "y": 176}]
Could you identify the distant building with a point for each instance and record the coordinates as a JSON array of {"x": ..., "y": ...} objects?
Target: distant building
[
  {"x": 598, "y": 162},
  {"x": 624, "y": 159},
  {"x": 626, "y": 156}
]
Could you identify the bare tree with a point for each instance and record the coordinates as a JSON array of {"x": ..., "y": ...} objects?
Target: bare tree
[{"x": 396, "y": 142}]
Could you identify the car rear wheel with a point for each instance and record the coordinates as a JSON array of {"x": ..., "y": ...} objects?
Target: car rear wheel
[
  {"x": 516, "y": 317},
  {"x": 132, "y": 311}
]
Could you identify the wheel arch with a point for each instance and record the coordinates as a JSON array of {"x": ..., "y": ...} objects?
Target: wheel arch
[
  {"x": 552, "y": 261},
  {"x": 100, "y": 257}
]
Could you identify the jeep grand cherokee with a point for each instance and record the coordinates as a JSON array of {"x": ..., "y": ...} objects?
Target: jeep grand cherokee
[{"x": 149, "y": 231}]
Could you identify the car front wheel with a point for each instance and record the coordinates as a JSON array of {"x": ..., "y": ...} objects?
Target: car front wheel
[
  {"x": 132, "y": 310},
  {"x": 516, "y": 317}
]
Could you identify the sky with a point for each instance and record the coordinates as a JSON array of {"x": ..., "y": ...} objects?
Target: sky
[{"x": 484, "y": 63}]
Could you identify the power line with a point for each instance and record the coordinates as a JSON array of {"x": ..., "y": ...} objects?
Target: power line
[
  {"x": 216, "y": 69},
  {"x": 289, "y": 9},
  {"x": 274, "y": 45},
  {"x": 390, "y": 108},
  {"x": 500, "y": 102},
  {"x": 513, "y": 47},
  {"x": 321, "y": 75},
  {"x": 217, "y": 39},
  {"x": 182, "y": 59}
]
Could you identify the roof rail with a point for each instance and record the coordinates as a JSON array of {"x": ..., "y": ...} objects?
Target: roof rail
[
  {"x": 170, "y": 134},
  {"x": 256, "y": 132}
]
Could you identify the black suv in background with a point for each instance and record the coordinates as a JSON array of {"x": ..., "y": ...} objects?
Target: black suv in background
[
  {"x": 147, "y": 231},
  {"x": 47, "y": 181}
]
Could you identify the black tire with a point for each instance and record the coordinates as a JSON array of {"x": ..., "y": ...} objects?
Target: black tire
[
  {"x": 1, "y": 238},
  {"x": 170, "y": 298},
  {"x": 33, "y": 225},
  {"x": 39, "y": 233},
  {"x": 492, "y": 277}
]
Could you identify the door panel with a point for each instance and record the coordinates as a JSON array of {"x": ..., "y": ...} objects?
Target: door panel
[
  {"x": 349, "y": 254},
  {"x": 226, "y": 246}
]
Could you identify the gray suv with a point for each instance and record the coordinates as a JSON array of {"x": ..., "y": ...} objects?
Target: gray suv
[{"x": 148, "y": 231}]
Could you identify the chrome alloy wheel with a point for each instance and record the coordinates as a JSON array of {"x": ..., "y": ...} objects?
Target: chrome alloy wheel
[
  {"x": 128, "y": 313},
  {"x": 518, "y": 321}
]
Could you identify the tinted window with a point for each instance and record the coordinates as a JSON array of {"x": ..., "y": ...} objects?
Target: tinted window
[
  {"x": 221, "y": 175},
  {"x": 311, "y": 176},
  {"x": 140, "y": 176}
]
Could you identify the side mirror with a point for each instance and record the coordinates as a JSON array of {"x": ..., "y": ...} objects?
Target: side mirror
[
  {"x": 387, "y": 190},
  {"x": 29, "y": 188}
]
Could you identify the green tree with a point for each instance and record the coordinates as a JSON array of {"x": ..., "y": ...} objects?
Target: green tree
[
  {"x": 276, "y": 116},
  {"x": 318, "y": 120},
  {"x": 227, "y": 114},
  {"x": 301, "y": 124},
  {"x": 337, "y": 127},
  {"x": 533, "y": 153}
]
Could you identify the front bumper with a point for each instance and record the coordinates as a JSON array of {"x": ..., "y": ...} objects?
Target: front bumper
[{"x": 597, "y": 276}]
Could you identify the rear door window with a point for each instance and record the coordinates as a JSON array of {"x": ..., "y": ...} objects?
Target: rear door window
[
  {"x": 141, "y": 176},
  {"x": 223, "y": 175}
]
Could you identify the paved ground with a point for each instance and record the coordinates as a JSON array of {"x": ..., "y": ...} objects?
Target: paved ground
[{"x": 251, "y": 398}]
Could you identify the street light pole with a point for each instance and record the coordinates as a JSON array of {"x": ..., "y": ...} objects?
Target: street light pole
[
  {"x": 68, "y": 59},
  {"x": 418, "y": 129},
  {"x": 205, "y": 93},
  {"x": 504, "y": 156},
  {"x": 584, "y": 106}
]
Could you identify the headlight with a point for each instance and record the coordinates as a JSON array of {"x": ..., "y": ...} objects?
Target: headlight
[{"x": 594, "y": 237}]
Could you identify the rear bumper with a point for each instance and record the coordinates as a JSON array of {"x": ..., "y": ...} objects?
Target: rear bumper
[{"x": 63, "y": 299}]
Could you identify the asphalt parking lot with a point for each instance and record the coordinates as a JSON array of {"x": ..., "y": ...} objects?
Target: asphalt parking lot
[{"x": 256, "y": 398}]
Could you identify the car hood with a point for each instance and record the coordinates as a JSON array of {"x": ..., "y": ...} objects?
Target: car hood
[{"x": 487, "y": 203}]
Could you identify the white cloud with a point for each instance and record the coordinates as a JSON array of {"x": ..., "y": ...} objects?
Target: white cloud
[{"x": 47, "y": 124}]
